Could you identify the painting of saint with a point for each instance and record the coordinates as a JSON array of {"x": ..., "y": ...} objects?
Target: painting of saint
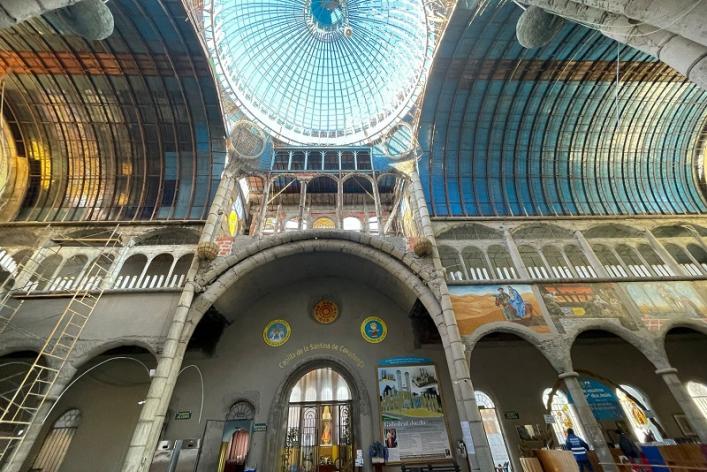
[{"x": 477, "y": 305}]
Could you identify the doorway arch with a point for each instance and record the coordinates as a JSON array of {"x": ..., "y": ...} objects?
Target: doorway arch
[
  {"x": 358, "y": 402},
  {"x": 319, "y": 416}
]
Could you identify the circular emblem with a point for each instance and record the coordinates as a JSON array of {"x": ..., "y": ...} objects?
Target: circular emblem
[
  {"x": 325, "y": 311},
  {"x": 276, "y": 333},
  {"x": 374, "y": 329}
]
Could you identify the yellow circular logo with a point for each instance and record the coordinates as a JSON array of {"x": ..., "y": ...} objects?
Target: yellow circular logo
[
  {"x": 374, "y": 329},
  {"x": 276, "y": 333},
  {"x": 325, "y": 311}
]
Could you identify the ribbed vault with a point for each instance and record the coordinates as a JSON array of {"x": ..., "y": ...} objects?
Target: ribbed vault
[
  {"x": 511, "y": 131},
  {"x": 128, "y": 128}
]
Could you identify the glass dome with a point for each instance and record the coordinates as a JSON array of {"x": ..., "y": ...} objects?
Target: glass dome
[{"x": 322, "y": 72}]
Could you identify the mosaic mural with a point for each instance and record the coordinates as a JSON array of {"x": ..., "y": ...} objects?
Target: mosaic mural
[{"x": 475, "y": 306}]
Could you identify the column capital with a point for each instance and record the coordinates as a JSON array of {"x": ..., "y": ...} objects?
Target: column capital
[
  {"x": 567, "y": 375},
  {"x": 666, "y": 370}
]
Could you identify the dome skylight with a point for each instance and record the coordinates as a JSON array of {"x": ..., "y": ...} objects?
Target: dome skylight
[{"x": 322, "y": 72}]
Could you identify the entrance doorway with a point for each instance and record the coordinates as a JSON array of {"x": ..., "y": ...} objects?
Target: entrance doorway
[{"x": 319, "y": 434}]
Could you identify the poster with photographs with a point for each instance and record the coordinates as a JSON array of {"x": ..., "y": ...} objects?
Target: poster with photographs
[
  {"x": 414, "y": 427},
  {"x": 568, "y": 302},
  {"x": 477, "y": 305}
]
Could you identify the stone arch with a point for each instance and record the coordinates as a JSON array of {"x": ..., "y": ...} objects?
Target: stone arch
[
  {"x": 645, "y": 345},
  {"x": 85, "y": 350},
  {"x": 672, "y": 230},
  {"x": 534, "y": 231},
  {"x": 612, "y": 230},
  {"x": 529, "y": 367},
  {"x": 395, "y": 261},
  {"x": 544, "y": 344},
  {"x": 469, "y": 231},
  {"x": 171, "y": 235},
  {"x": 682, "y": 353},
  {"x": 360, "y": 395}
]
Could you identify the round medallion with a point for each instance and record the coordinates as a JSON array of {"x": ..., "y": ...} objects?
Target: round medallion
[
  {"x": 276, "y": 333},
  {"x": 374, "y": 329},
  {"x": 325, "y": 311}
]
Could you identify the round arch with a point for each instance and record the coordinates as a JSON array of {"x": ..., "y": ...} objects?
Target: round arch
[
  {"x": 403, "y": 266},
  {"x": 278, "y": 413},
  {"x": 643, "y": 344},
  {"x": 543, "y": 344}
]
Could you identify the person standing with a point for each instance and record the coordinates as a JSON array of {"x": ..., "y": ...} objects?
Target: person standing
[
  {"x": 579, "y": 449},
  {"x": 628, "y": 447}
]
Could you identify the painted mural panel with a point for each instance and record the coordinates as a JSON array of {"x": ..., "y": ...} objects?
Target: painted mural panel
[
  {"x": 661, "y": 301},
  {"x": 569, "y": 302},
  {"x": 475, "y": 306}
]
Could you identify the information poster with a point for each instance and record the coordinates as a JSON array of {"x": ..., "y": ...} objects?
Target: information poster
[{"x": 414, "y": 427}]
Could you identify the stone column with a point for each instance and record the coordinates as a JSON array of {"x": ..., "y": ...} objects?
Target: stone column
[
  {"x": 589, "y": 254},
  {"x": 302, "y": 203},
  {"x": 664, "y": 254},
  {"x": 22, "y": 450},
  {"x": 591, "y": 427},
  {"x": 479, "y": 458},
  {"x": 515, "y": 255},
  {"x": 693, "y": 415},
  {"x": 152, "y": 416}
]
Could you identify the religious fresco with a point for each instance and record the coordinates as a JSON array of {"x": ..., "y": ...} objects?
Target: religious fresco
[
  {"x": 661, "y": 301},
  {"x": 475, "y": 306},
  {"x": 569, "y": 302}
]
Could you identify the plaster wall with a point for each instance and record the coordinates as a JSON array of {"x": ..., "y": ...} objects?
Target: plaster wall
[
  {"x": 243, "y": 367},
  {"x": 135, "y": 318},
  {"x": 108, "y": 400}
]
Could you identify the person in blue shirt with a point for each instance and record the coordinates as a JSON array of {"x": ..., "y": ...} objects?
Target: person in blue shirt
[{"x": 579, "y": 449}]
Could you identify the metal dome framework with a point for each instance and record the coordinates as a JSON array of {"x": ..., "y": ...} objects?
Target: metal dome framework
[{"x": 324, "y": 72}]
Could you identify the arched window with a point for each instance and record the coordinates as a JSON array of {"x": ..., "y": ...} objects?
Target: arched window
[
  {"x": 237, "y": 435},
  {"x": 501, "y": 262},
  {"x": 641, "y": 425},
  {"x": 319, "y": 422},
  {"x": 558, "y": 265},
  {"x": 157, "y": 272},
  {"x": 699, "y": 254},
  {"x": 351, "y": 223},
  {"x": 698, "y": 392},
  {"x": 564, "y": 413},
  {"x": 475, "y": 263},
  {"x": 631, "y": 260},
  {"x": 610, "y": 262},
  {"x": 57, "y": 442},
  {"x": 324, "y": 222},
  {"x": 683, "y": 259},
  {"x": 452, "y": 263},
  {"x": 579, "y": 262},
  {"x": 131, "y": 271},
  {"x": 656, "y": 263},
  {"x": 533, "y": 262},
  {"x": 494, "y": 433}
]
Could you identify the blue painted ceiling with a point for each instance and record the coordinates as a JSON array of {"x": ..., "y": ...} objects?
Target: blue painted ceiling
[{"x": 510, "y": 131}]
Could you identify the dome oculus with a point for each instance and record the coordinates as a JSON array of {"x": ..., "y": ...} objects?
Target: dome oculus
[{"x": 322, "y": 72}]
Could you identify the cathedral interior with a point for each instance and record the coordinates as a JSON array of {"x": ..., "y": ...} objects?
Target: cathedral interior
[{"x": 353, "y": 235}]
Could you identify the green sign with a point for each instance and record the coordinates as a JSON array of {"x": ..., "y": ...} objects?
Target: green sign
[
  {"x": 259, "y": 427},
  {"x": 183, "y": 415},
  {"x": 511, "y": 415}
]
